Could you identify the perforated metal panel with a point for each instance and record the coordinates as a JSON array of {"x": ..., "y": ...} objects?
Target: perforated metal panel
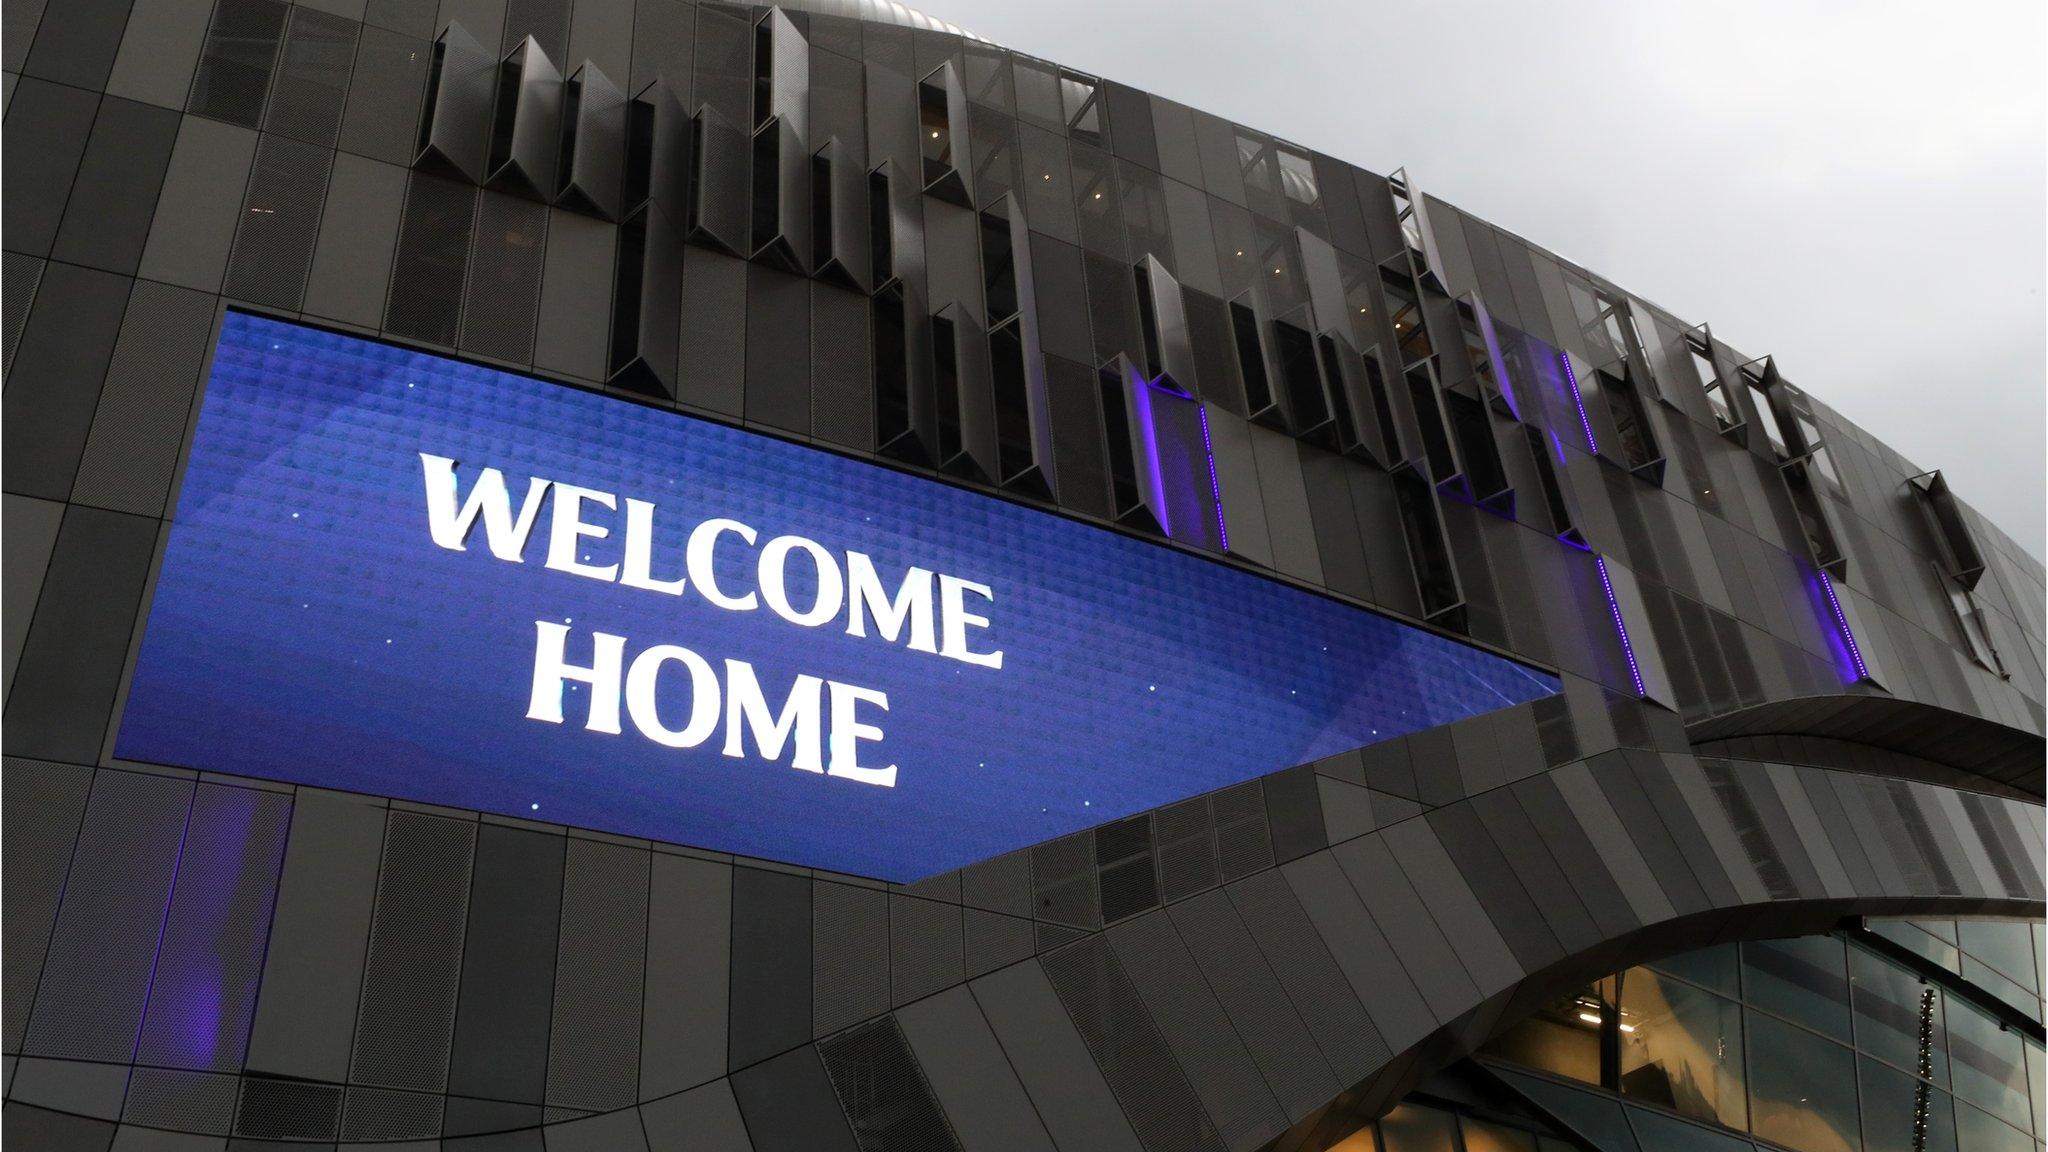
[
  {"x": 1298, "y": 956},
  {"x": 504, "y": 278},
  {"x": 884, "y": 1093},
  {"x": 925, "y": 951},
  {"x": 1242, "y": 843},
  {"x": 433, "y": 249},
  {"x": 181, "y": 1101},
  {"x": 280, "y": 220},
  {"x": 233, "y": 76},
  {"x": 1120, "y": 1034},
  {"x": 41, "y": 810},
  {"x": 288, "y": 1109},
  {"x": 312, "y": 77},
  {"x": 384, "y": 1114},
  {"x": 383, "y": 106},
  {"x": 407, "y": 1016},
  {"x": 96, "y": 977},
  {"x": 1743, "y": 816},
  {"x": 1189, "y": 1016},
  {"x": 1063, "y": 882},
  {"x": 1123, "y": 856},
  {"x": 547, "y": 21},
  {"x": 1271, "y": 1025},
  {"x": 594, "y": 1043},
  {"x": 202, "y": 995},
  {"x": 1187, "y": 848},
  {"x": 132, "y": 452},
  {"x": 842, "y": 392},
  {"x": 17, "y": 291},
  {"x": 849, "y": 955},
  {"x": 1077, "y": 443}
]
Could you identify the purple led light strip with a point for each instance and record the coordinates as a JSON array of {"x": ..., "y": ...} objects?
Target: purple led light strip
[
  {"x": 1842, "y": 622},
  {"x": 1572, "y": 378},
  {"x": 1215, "y": 488},
  {"x": 1635, "y": 672}
]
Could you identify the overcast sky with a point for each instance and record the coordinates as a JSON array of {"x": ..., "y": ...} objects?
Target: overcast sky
[{"x": 1854, "y": 188}]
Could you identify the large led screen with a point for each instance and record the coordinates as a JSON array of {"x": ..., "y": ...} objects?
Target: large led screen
[{"x": 398, "y": 574}]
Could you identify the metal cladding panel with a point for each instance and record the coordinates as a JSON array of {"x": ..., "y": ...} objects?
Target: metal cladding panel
[
  {"x": 524, "y": 155},
  {"x": 97, "y": 974},
  {"x": 309, "y": 92},
  {"x": 214, "y": 960},
  {"x": 381, "y": 117},
  {"x": 43, "y": 806},
  {"x": 594, "y": 1037},
  {"x": 406, "y": 1019},
  {"x": 596, "y": 161},
  {"x": 131, "y": 454},
  {"x": 455, "y": 125}
]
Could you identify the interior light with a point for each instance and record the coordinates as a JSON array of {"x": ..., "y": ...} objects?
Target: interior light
[
  {"x": 935, "y": 134},
  {"x": 1098, "y": 195},
  {"x": 1628, "y": 1027},
  {"x": 1589, "y": 1017}
]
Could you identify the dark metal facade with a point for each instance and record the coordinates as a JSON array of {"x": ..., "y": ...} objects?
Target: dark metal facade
[{"x": 1803, "y": 681}]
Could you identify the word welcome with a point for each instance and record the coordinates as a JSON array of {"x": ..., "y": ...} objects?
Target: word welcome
[{"x": 795, "y": 578}]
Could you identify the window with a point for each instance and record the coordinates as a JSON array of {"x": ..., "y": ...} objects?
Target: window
[
  {"x": 1699, "y": 346},
  {"x": 1404, "y": 212},
  {"x": 1083, "y": 108},
  {"x": 1682, "y": 1048},
  {"x": 935, "y": 127},
  {"x": 1988, "y": 1065},
  {"x": 1562, "y": 1038},
  {"x": 1895, "y": 1106},
  {"x": 1805, "y": 980},
  {"x": 1802, "y": 1087},
  {"x": 1298, "y": 178},
  {"x": 1757, "y": 376},
  {"x": 1898, "y": 1017},
  {"x": 1716, "y": 969}
]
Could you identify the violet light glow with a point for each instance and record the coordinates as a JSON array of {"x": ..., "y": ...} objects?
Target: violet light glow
[{"x": 1635, "y": 671}]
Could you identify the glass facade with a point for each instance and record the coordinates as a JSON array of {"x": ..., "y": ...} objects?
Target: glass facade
[{"x": 1877, "y": 1039}]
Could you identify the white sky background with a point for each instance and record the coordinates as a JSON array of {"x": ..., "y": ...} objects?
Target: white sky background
[{"x": 1854, "y": 188}]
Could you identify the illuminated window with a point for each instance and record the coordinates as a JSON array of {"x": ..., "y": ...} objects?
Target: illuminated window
[{"x": 1683, "y": 1049}]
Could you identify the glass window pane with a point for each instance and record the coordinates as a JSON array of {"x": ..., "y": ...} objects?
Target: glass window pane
[
  {"x": 2007, "y": 945},
  {"x": 1939, "y": 929},
  {"x": 1481, "y": 1136},
  {"x": 1804, "y": 980},
  {"x": 1994, "y": 982},
  {"x": 1681, "y": 1047},
  {"x": 1890, "y": 1003},
  {"x": 1561, "y": 1038},
  {"x": 1802, "y": 1087},
  {"x": 1891, "y": 1100},
  {"x": 1597, "y": 1117},
  {"x": 1915, "y": 939},
  {"x": 2036, "y": 1060},
  {"x": 1979, "y": 1132},
  {"x": 1409, "y": 1128},
  {"x": 1708, "y": 967},
  {"x": 1669, "y": 1134},
  {"x": 1989, "y": 1065}
]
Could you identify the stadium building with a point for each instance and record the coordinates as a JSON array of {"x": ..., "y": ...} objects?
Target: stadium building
[{"x": 648, "y": 575}]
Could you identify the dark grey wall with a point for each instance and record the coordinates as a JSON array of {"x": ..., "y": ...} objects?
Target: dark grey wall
[{"x": 241, "y": 962}]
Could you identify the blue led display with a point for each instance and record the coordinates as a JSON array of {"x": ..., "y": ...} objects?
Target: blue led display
[{"x": 399, "y": 574}]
